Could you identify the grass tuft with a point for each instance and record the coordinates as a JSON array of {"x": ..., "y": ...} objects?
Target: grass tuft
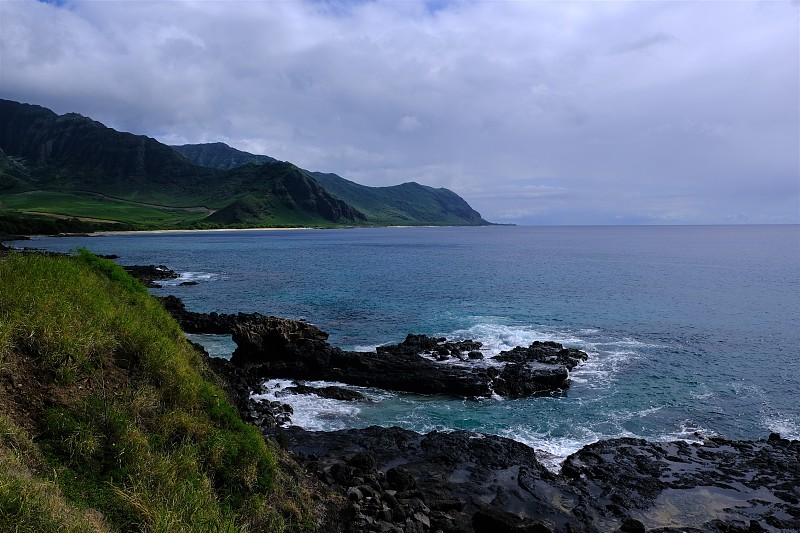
[{"x": 138, "y": 438}]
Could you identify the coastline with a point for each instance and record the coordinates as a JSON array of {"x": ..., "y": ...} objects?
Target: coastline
[
  {"x": 213, "y": 230},
  {"x": 392, "y": 479},
  {"x": 395, "y": 479}
]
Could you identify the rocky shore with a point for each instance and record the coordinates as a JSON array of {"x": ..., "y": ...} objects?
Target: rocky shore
[
  {"x": 394, "y": 480},
  {"x": 271, "y": 347}
]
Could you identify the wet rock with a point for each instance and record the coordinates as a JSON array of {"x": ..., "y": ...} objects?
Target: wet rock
[
  {"x": 498, "y": 521},
  {"x": 631, "y": 525},
  {"x": 400, "y": 479},
  {"x": 215, "y": 323},
  {"x": 150, "y": 274},
  {"x": 544, "y": 352},
  {"x": 330, "y": 392},
  {"x": 470, "y": 482},
  {"x": 273, "y": 339},
  {"x": 272, "y": 347},
  {"x": 518, "y": 380}
]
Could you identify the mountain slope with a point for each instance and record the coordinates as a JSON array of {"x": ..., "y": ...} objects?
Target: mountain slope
[
  {"x": 73, "y": 152},
  {"x": 220, "y": 155},
  {"x": 279, "y": 192},
  {"x": 45, "y": 152},
  {"x": 406, "y": 204},
  {"x": 71, "y": 166}
]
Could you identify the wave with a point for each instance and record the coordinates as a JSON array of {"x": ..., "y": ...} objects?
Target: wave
[
  {"x": 785, "y": 426},
  {"x": 315, "y": 413},
  {"x": 497, "y": 337},
  {"x": 189, "y": 277}
]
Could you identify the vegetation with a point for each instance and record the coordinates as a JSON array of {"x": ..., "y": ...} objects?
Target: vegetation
[
  {"x": 71, "y": 166},
  {"x": 409, "y": 204},
  {"x": 109, "y": 420},
  {"x": 92, "y": 208},
  {"x": 15, "y": 223},
  {"x": 220, "y": 155}
]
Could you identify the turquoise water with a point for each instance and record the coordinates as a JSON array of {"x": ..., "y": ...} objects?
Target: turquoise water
[{"x": 688, "y": 328}]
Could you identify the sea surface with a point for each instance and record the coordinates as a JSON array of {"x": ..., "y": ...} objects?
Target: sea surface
[{"x": 691, "y": 330}]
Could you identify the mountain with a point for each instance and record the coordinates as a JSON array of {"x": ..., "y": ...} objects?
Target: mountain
[
  {"x": 405, "y": 204},
  {"x": 220, "y": 155},
  {"x": 73, "y": 152},
  {"x": 69, "y": 166}
]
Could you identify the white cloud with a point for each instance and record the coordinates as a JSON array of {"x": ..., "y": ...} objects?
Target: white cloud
[
  {"x": 596, "y": 98},
  {"x": 408, "y": 123}
]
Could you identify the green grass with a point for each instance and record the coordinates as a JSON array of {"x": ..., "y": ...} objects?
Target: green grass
[
  {"x": 144, "y": 440},
  {"x": 28, "y": 502},
  {"x": 80, "y": 206}
]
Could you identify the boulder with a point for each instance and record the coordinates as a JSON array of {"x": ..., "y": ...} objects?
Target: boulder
[
  {"x": 518, "y": 380},
  {"x": 544, "y": 352},
  {"x": 265, "y": 339}
]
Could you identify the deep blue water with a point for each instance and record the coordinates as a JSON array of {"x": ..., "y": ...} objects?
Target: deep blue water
[{"x": 688, "y": 328}]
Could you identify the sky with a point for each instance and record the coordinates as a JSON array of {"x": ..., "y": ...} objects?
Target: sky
[{"x": 536, "y": 113}]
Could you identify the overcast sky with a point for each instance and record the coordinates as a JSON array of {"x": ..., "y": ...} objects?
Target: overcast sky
[{"x": 534, "y": 112}]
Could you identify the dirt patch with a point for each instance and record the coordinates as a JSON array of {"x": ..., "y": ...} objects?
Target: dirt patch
[{"x": 27, "y": 390}]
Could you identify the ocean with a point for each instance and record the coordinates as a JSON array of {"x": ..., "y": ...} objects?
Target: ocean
[{"x": 690, "y": 330}]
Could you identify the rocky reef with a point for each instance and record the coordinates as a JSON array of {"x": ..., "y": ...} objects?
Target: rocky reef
[
  {"x": 395, "y": 480},
  {"x": 398, "y": 480},
  {"x": 271, "y": 347}
]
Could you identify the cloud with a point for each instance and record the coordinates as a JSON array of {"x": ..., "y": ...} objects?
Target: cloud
[
  {"x": 408, "y": 123},
  {"x": 642, "y": 43},
  {"x": 666, "y": 105}
]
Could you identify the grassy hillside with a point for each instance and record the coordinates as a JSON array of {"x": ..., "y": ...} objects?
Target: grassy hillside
[
  {"x": 98, "y": 209},
  {"x": 69, "y": 165},
  {"x": 109, "y": 420},
  {"x": 220, "y": 155},
  {"x": 72, "y": 166},
  {"x": 405, "y": 204}
]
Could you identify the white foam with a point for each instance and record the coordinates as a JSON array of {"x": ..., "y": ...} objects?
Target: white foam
[
  {"x": 185, "y": 277},
  {"x": 365, "y": 348},
  {"x": 314, "y": 413},
  {"x": 785, "y": 426},
  {"x": 500, "y": 337},
  {"x": 688, "y": 431},
  {"x": 701, "y": 395},
  {"x": 556, "y": 449},
  {"x": 602, "y": 367}
]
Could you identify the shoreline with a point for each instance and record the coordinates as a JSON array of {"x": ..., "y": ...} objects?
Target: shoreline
[
  {"x": 212, "y": 230},
  {"x": 299, "y": 228},
  {"x": 462, "y": 481}
]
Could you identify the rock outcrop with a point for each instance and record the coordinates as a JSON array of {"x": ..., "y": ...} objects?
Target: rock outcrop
[
  {"x": 398, "y": 480},
  {"x": 194, "y": 322},
  {"x": 395, "y": 480},
  {"x": 548, "y": 352},
  {"x": 271, "y": 347},
  {"x": 150, "y": 275},
  {"x": 275, "y": 347}
]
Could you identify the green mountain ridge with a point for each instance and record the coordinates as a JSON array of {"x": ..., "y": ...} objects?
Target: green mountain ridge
[
  {"x": 404, "y": 203},
  {"x": 407, "y": 203},
  {"x": 70, "y": 166},
  {"x": 220, "y": 155}
]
